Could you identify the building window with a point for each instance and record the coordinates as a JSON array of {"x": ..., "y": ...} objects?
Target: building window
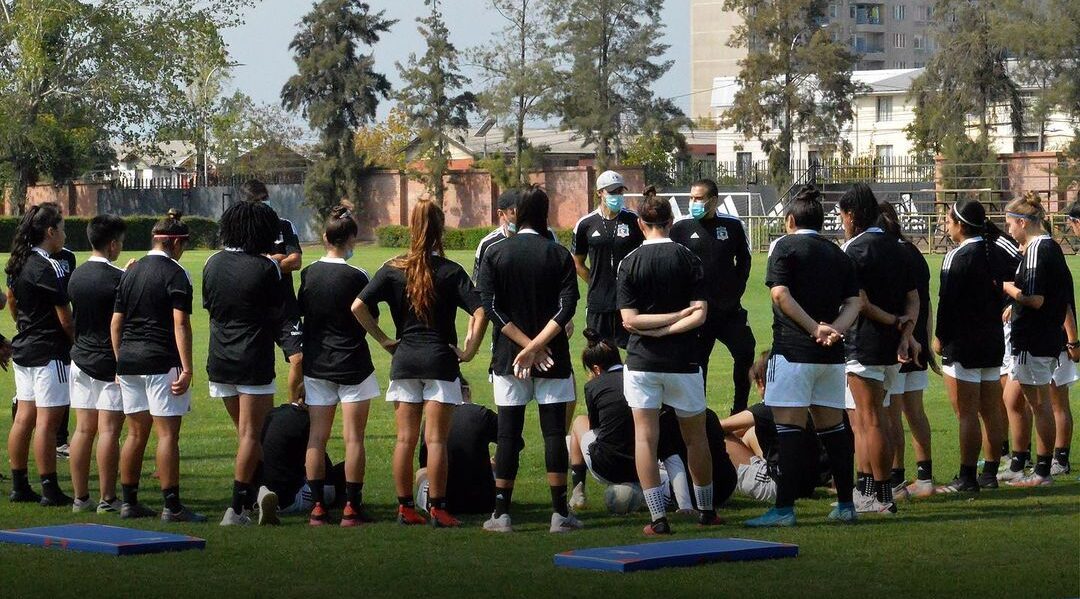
[
  {"x": 852, "y": 11},
  {"x": 898, "y": 12},
  {"x": 899, "y": 40},
  {"x": 884, "y": 154},
  {"x": 929, "y": 12},
  {"x": 832, "y": 11},
  {"x": 1026, "y": 144},
  {"x": 884, "y": 109},
  {"x": 900, "y": 64},
  {"x": 917, "y": 42},
  {"x": 919, "y": 64},
  {"x": 744, "y": 164}
]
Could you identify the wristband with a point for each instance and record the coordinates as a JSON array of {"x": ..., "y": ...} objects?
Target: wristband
[{"x": 1073, "y": 345}]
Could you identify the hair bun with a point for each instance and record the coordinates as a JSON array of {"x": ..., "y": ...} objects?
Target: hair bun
[
  {"x": 342, "y": 210},
  {"x": 174, "y": 214},
  {"x": 592, "y": 336}
]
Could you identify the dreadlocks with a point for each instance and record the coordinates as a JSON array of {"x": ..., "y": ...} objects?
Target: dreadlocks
[{"x": 249, "y": 226}]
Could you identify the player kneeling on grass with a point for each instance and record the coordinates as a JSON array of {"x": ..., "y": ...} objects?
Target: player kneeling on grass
[
  {"x": 815, "y": 299},
  {"x": 661, "y": 296},
  {"x": 424, "y": 290},
  {"x": 95, "y": 394},
  {"x": 337, "y": 365},
  {"x": 284, "y": 443}
]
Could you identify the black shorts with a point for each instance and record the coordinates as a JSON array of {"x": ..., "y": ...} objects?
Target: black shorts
[{"x": 609, "y": 325}]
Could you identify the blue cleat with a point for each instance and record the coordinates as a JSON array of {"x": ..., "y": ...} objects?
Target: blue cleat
[
  {"x": 773, "y": 517},
  {"x": 844, "y": 513}
]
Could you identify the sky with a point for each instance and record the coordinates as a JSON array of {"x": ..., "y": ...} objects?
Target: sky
[{"x": 261, "y": 45}]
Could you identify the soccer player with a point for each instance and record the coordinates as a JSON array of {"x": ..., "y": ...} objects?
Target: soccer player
[
  {"x": 603, "y": 238},
  {"x": 95, "y": 394},
  {"x": 672, "y": 451},
  {"x": 151, "y": 338},
  {"x": 528, "y": 290},
  {"x": 337, "y": 365},
  {"x": 816, "y": 300},
  {"x": 40, "y": 350},
  {"x": 470, "y": 481},
  {"x": 662, "y": 298},
  {"x": 1064, "y": 377},
  {"x": 423, "y": 290},
  {"x": 66, "y": 259},
  {"x": 719, "y": 240},
  {"x": 1041, "y": 299},
  {"x": 243, "y": 294},
  {"x": 284, "y": 442}
]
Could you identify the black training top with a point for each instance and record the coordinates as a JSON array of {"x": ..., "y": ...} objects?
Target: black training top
[
  {"x": 67, "y": 261},
  {"x": 149, "y": 292},
  {"x": 473, "y": 428},
  {"x": 969, "y": 306},
  {"x": 93, "y": 294},
  {"x": 1044, "y": 272},
  {"x": 820, "y": 277},
  {"x": 882, "y": 268},
  {"x": 490, "y": 239},
  {"x": 39, "y": 289},
  {"x": 611, "y": 418},
  {"x": 288, "y": 242},
  {"x": 1007, "y": 253},
  {"x": 529, "y": 281},
  {"x": 284, "y": 441},
  {"x": 921, "y": 270},
  {"x": 721, "y": 243},
  {"x": 661, "y": 277},
  {"x": 606, "y": 242},
  {"x": 424, "y": 351},
  {"x": 243, "y": 294},
  {"x": 335, "y": 345}
]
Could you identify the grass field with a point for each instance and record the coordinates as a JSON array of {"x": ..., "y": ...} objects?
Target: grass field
[{"x": 1008, "y": 543}]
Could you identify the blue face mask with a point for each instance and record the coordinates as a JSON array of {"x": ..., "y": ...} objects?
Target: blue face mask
[
  {"x": 614, "y": 201},
  {"x": 349, "y": 255},
  {"x": 697, "y": 209},
  {"x": 512, "y": 227}
]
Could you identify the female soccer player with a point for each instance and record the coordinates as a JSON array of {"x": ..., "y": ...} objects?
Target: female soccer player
[
  {"x": 1041, "y": 299},
  {"x": 337, "y": 365},
  {"x": 880, "y": 338},
  {"x": 151, "y": 338},
  {"x": 423, "y": 291},
  {"x": 95, "y": 394},
  {"x": 41, "y": 351},
  {"x": 969, "y": 336},
  {"x": 243, "y": 295},
  {"x": 662, "y": 297},
  {"x": 528, "y": 290}
]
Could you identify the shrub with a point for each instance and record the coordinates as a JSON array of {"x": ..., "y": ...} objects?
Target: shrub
[
  {"x": 139, "y": 236},
  {"x": 397, "y": 236}
]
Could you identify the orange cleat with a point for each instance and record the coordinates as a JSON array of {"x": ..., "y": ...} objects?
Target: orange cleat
[
  {"x": 318, "y": 516},
  {"x": 409, "y": 516},
  {"x": 441, "y": 518}
]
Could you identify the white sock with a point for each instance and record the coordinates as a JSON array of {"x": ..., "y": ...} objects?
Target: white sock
[
  {"x": 704, "y": 497},
  {"x": 654, "y": 498},
  {"x": 680, "y": 483}
]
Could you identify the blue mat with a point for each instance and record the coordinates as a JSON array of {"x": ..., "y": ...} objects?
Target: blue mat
[
  {"x": 667, "y": 554},
  {"x": 97, "y": 538}
]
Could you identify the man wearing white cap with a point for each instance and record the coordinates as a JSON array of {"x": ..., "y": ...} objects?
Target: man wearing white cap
[{"x": 604, "y": 237}]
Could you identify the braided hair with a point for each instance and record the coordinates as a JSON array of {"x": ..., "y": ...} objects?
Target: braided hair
[
  {"x": 250, "y": 226},
  {"x": 31, "y": 231}
]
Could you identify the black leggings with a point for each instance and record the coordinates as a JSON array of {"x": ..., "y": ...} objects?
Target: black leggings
[{"x": 511, "y": 425}]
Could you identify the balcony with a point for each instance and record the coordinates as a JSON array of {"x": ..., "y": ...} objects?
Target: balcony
[{"x": 864, "y": 47}]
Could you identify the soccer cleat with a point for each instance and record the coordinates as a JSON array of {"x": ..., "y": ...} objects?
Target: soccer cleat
[
  {"x": 109, "y": 507},
  {"x": 567, "y": 523},
  {"x": 79, "y": 506},
  {"x": 875, "y": 506},
  {"x": 959, "y": 485},
  {"x": 862, "y": 502},
  {"x": 408, "y": 516},
  {"x": 355, "y": 516},
  {"x": 1010, "y": 475},
  {"x": 500, "y": 524},
  {"x": 1057, "y": 468},
  {"x": 988, "y": 480},
  {"x": 231, "y": 518},
  {"x": 577, "y": 497},
  {"x": 184, "y": 515},
  {"x": 25, "y": 495},
  {"x": 709, "y": 518},
  {"x": 658, "y": 528},
  {"x": 1032, "y": 480},
  {"x": 57, "y": 499},
  {"x": 900, "y": 492},
  {"x": 844, "y": 514},
  {"x": 63, "y": 451},
  {"x": 129, "y": 511},
  {"x": 318, "y": 516},
  {"x": 773, "y": 517},
  {"x": 441, "y": 518},
  {"x": 268, "y": 506},
  {"x": 920, "y": 489}
]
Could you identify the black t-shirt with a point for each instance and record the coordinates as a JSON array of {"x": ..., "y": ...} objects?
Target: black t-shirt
[
  {"x": 424, "y": 351},
  {"x": 611, "y": 418},
  {"x": 288, "y": 242},
  {"x": 335, "y": 345},
  {"x": 661, "y": 277},
  {"x": 149, "y": 292},
  {"x": 968, "y": 320},
  {"x": 721, "y": 243},
  {"x": 606, "y": 242},
  {"x": 243, "y": 294},
  {"x": 820, "y": 277},
  {"x": 490, "y": 239},
  {"x": 883, "y": 270},
  {"x": 1007, "y": 257},
  {"x": 67, "y": 261},
  {"x": 284, "y": 443},
  {"x": 922, "y": 285},
  {"x": 808, "y": 472},
  {"x": 528, "y": 280},
  {"x": 473, "y": 428},
  {"x": 93, "y": 294},
  {"x": 39, "y": 289},
  {"x": 1043, "y": 271}
]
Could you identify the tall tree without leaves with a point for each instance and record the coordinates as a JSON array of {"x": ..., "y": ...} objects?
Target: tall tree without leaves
[
  {"x": 337, "y": 89},
  {"x": 612, "y": 50},
  {"x": 434, "y": 99},
  {"x": 795, "y": 80}
]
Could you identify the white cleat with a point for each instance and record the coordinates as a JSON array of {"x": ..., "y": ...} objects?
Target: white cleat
[
  {"x": 82, "y": 507},
  {"x": 231, "y": 518},
  {"x": 565, "y": 523},
  {"x": 577, "y": 497},
  {"x": 500, "y": 524},
  {"x": 268, "y": 507}
]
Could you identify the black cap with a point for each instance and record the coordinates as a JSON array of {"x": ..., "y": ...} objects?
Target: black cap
[{"x": 509, "y": 199}]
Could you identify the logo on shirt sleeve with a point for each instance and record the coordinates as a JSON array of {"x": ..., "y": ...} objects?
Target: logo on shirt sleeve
[
  {"x": 721, "y": 233},
  {"x": 694, "y": 236},
  {"x": 622, "y": 230},
  {"x": 595, "y": 234}
]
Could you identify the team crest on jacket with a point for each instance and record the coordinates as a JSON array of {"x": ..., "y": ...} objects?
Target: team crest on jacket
[
  {"x": 721, "y": 233},
  {"x": 622, "y": 230}
]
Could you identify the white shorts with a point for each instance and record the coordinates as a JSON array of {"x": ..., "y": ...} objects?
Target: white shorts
[
  {"x": 223, "y": 390},
  {"x": 1007, "y": 359},
  {"x": 421, "y": 390},
  {"x": 801, "y": 385},
  {"x": 1066, "y": 373},
  {"x": 321, "y": 392},
  {"x": 683, "y": 391},
  {"x": 883, "y": 374},
  {"x": 754, "y": 480},
  {"x": 1033, "y": 370},
  {"x": 586, "y": 441},
  {"x": 512, "y": 391},
  {"x": 957, "y": 371},
  {"x": 909, "y": 382},
  {"x": 44, "y": 386},
  {"x": 88, "y": 393},
  {"x": 153, "y": 393}
]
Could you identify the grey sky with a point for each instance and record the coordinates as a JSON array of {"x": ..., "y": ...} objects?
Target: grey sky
[{"x": 262, "y": 44}]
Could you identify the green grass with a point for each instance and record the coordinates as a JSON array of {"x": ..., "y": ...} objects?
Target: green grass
[{"x": 1004, "y": 543}]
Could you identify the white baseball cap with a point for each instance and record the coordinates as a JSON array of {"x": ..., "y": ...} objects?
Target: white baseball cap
[{"x": 610, "y": 180}]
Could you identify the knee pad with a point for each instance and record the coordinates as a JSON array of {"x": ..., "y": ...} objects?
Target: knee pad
[
  {"x": 511, "y": 424},
  {"x": 553, "y": 427}
]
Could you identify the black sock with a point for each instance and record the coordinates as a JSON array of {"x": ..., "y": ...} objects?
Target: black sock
[
  {"x": 406, "y": 502},
  {"x": 924, "y": 470},
  {"x": 84, "y": 498},
  {"x": 1019, "y": 460},
  {"x": 577, "y": 474},
  {"x": 239, "y": 496},
  {"x": 49, "y": 486},
  {"x": 252, "y": 496},
  {"x": 791, "y": 445},
  {"x": 354, "y": 493},
  {"x": 838, "y": 445},
  {"x": 967, "y": 473},
  {"x": 130, "y": 493},
  {"x": 1061, "y": 455},
  {"x": 990, "y": 468},
  {"x": 502, "y": 500},
  {"x": 860, "y": 482},
  {"x": 172, "y": 499},
  {"x": 884, "y": 491},
  {"x": 1042, "y": 465},
  {"x": 661, "y": 525},
  {"x": 20, "y": 479},
  {"x": 437, "y": 503},
  {"x": 1005, "y": 447},
  {"x": 897, "y": 477},
  {"x": 316, "y": 487},
  {"x": 558, "y": 500}
]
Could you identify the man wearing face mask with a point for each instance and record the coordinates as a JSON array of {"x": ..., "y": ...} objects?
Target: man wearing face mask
[
  {"x": 719, "y": 240},
  {"x": 604, "y": 237}
]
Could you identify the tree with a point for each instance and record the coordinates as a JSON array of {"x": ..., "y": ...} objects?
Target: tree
[
  {"x": 337, "y": 89},
  {"x": 797, "y": 82},
  {"x": 518, "y": 66},
  {"x": 612, "y": 51},
  {"x": 103, "y": 67},
  {"x": 383, "y": 144},
  {"x": 434, "y": 98},
  {"x": 657, "y": 154},
  {"x": 239, "y": 125}
]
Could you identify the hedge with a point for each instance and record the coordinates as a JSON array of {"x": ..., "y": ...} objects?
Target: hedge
[
  {"x": 397, "y": 236},
  {"x": 204, "y": 232}
]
